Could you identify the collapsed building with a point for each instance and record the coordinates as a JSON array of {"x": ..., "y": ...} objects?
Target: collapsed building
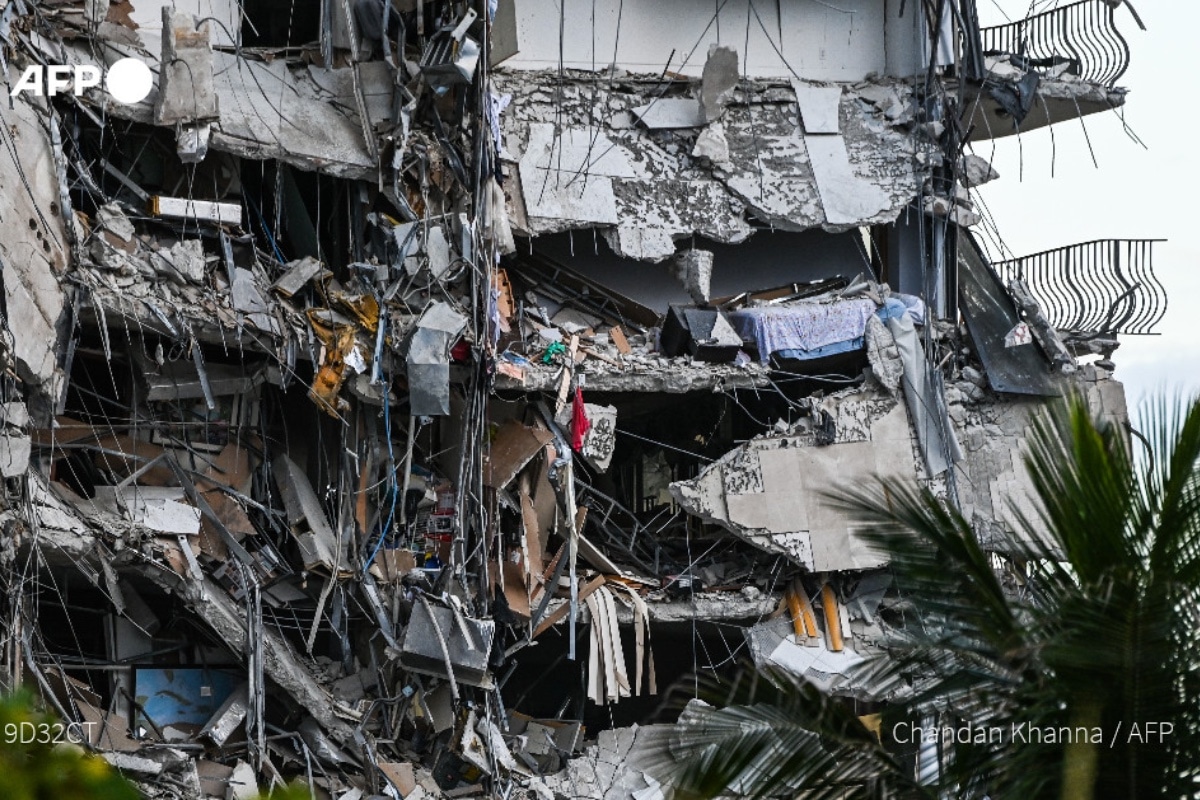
[{"x": 404, "y": 394}]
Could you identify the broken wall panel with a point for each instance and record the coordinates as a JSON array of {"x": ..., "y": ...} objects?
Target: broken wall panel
[{"x": 770, "y": 492}]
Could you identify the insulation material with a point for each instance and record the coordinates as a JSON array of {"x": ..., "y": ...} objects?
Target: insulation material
[
  {"x": 607, "y": 678},
  {"x": 934, "y": 432}
]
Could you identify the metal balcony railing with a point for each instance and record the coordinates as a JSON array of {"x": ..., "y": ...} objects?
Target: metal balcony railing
[
  {"x": 1105, "y": 286},
  {"x": 1082, "y": 34}
]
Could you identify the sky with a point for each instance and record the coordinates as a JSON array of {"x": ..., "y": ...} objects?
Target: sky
[{"x": 1136, "y": 192}]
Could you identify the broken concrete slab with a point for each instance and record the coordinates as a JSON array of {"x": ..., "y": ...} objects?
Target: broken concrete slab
[
  {"x": 769, "y": 492},
  {"x": 819, "y": 107},
  {"x": 671, "y": 112},
  {"x": 183, "y": 262},
  {"x": 247, "y": 299},
  {"x": 14, "y": 454},
  {"x": 298, "y": 274},
  {"x": 977, "y": 171}
]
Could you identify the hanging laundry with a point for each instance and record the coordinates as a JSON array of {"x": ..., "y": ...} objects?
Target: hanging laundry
[{"x": 580, "y": 424}]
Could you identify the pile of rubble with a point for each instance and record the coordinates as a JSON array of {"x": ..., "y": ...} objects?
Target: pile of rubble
[{"x": 325, "y": 456}]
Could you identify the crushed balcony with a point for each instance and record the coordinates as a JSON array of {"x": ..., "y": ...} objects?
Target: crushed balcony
[{"x": 1056, "y": 65}]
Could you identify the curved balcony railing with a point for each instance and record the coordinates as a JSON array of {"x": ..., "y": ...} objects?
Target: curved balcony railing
[
  {"x": 1082, "y": 34},
  {"x": 1105, "y": 286}
]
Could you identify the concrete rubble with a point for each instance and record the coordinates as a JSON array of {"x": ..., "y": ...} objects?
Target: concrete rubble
[{"x": 387, "y": 407}]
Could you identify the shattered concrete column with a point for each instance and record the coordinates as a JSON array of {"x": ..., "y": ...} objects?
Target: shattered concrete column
[
  {"x": 33, "y": 254},
  {"x": 719, "y": 79},
  {"x": 187, "y": 96},
  {"x": 693, "y": 269}
]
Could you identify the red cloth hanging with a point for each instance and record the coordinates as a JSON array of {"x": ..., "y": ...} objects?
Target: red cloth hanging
[{"x": 580, "y": 424}]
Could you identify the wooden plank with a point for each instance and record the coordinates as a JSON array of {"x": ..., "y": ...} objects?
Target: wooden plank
[
  {"x": 807, "y": 616},
  {"x": 532, "y": 531},
  {"x": 597, "y": 354},
  {"x": 617, "y": 335},
  {"x": 833, "y": 620},
  {"x": 515, "y": 446},
  {"x": 562, "y": 611},
  {"x": 564, "y": 385}
]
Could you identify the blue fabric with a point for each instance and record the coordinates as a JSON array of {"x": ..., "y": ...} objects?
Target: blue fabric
[
  {"x": 894, "y": 306},
  {"x": 821, "y": 352}
]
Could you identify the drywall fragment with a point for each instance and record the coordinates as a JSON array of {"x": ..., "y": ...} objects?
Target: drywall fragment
[
  {"x": 846, "y": 198},
  {"x": 127, "y": 762},
  {"x": 572, "y": 320},
  {"x": 155, "y": 507},
  {"x": 601, "y": 439},
  {"x": 772, "y": 645},
  {"x": 718, "y": 80},
  {"x": 693, "y": 270},
  {"x": 977, "y": 171},
  {"x": 14, "y": 415},
  {"x": 243, "y": 785},
  {"x": 818, "y": 107},
  {"x": 318, "y": 544},
  {"x": 185, "y": 85},
  {"x": 437, "y": 247},
  {"x": 668, "y": 113},
  {"x": 935, "y": 434}
]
